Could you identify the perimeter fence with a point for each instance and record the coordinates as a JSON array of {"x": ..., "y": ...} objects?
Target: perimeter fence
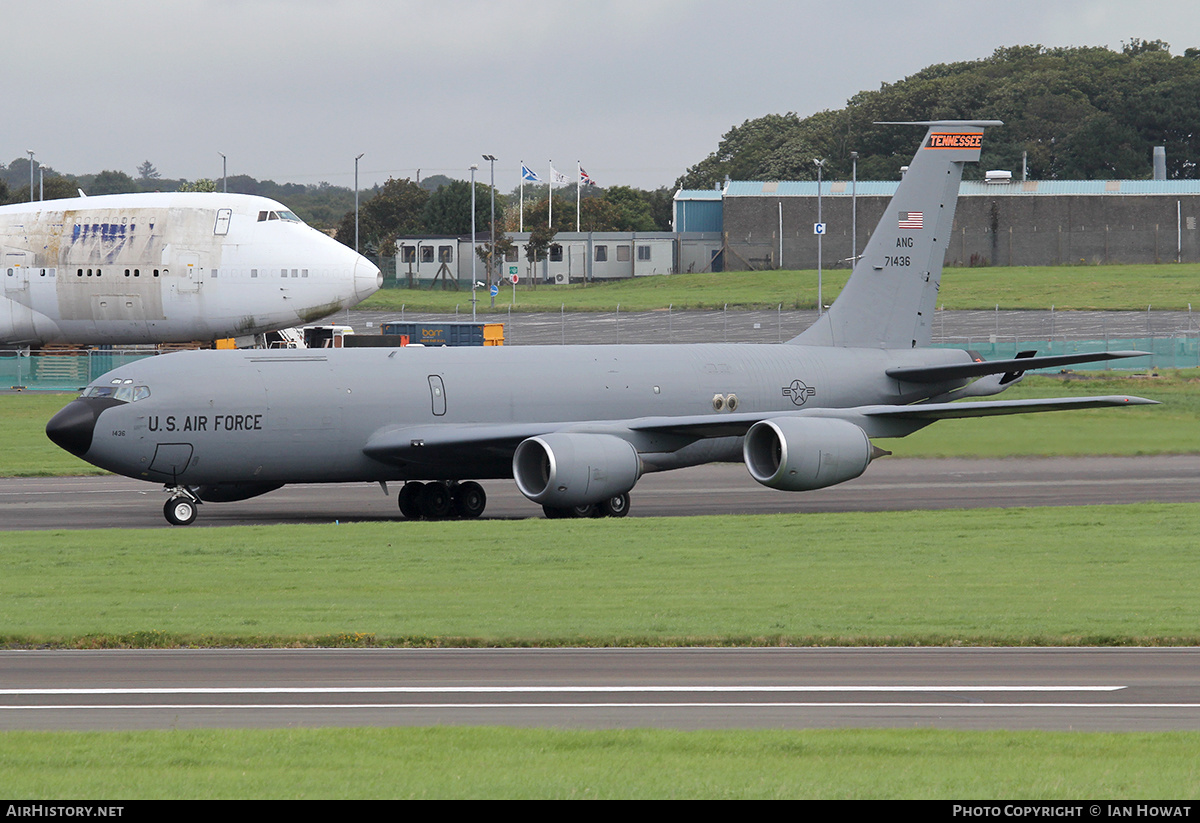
[
  {"x": 60, "y": 371},
  {"x": 68, "y": 373},
  {"x": 1166, "y": 353}
]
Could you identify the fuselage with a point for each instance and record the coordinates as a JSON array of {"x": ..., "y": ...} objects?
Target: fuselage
[
  {"x": 273, "y": 417},
  {"x": 167, "y": 267}
]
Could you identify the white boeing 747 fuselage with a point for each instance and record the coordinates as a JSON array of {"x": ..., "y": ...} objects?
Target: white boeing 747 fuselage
[{"x": 167, "y": 267}]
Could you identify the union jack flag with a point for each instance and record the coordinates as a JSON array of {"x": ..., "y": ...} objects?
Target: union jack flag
[
  {"x": 912, "y": 220},
  {"x": 584, "y": 179}
]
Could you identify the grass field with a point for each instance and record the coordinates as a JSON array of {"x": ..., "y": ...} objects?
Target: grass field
[
  {"x": 1171, "y": 428},
  {"x": 563, "y": 764},
  {"x": 25, "y": 450},
  {"x": 1132, "y": 288},
  {"x": 1042, "y": 576}
]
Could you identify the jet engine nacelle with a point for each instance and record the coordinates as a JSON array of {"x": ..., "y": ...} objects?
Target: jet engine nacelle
[
  {"x": 575, "y": 469},
  {"x": 805, "y": 453}
]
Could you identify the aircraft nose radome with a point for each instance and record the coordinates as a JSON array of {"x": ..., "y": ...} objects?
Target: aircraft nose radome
[
  {"x": 72, "y": 428},
  {"x": 368, "y": 279}
]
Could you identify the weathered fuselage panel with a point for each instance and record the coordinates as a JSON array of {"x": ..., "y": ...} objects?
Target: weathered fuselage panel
[{"x": 144, "y": 268}]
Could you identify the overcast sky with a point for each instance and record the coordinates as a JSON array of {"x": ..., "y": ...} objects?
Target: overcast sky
[{"x": 636, "y": 90}]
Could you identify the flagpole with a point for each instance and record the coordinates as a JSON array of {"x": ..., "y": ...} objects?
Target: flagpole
[
  {"x": 578, "y": 189},
  {"x": 550, "y": 196},
  {"x": 521, "y": 222}
]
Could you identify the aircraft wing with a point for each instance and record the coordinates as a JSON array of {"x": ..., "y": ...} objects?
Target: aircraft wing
[
  {"x": 990, "y": 408},
  {"x": 955, "y": 371},
  {"x": 496, "y": 441},
  {"x": 410, "y": 443},
  {"x": 727, "y": 425}
]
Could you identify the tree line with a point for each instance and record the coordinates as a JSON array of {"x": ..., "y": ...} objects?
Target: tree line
[
  {"x": 403, "y": 208},
  {"x": 321, "y": 205},
  {"x": 435, "y": 205},
  {"x": 1069, "y": 113}
]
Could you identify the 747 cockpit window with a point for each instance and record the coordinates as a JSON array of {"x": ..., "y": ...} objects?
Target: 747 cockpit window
[{"x": 278, "y": 215}]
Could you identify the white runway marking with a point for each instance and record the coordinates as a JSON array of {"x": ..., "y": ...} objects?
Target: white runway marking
[
  {"x": 544, "y": 689},
  {"x": 606, "y": 705}
]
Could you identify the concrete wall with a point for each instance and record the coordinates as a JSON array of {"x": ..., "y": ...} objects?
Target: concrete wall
[{"x": 1001, "y": 230}]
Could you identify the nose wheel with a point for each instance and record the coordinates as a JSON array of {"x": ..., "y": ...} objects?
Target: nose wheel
[
  {"x": 182, "y": 505},
  {"x": 179, "y": 511}
]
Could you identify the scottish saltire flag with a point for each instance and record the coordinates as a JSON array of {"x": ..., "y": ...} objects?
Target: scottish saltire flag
[
  {"x": 912, "y": 220},
  {"x": 529, "y": 174},
  {"x": 584, "y": 179}
]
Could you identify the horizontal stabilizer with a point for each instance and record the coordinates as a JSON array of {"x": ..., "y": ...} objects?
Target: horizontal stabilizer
[
  {"x": 990, "y": 408},
  {"x": 956, "y": 371}
]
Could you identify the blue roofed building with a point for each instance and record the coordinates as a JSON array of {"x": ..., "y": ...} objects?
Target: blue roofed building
[{"x": 999, "y": 222}]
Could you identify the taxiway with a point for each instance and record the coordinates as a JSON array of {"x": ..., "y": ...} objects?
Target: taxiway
[{"x": 889, "y": 484}]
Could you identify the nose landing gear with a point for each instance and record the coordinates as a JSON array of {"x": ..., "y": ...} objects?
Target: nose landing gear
[{"x": 181, "y": 508}]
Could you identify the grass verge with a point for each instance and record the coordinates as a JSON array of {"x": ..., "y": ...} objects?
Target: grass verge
[
  {"x": 1163, "y": 286},
  {"x": 25, "y": 451},
  {"x": 563, "y": 764},
  {"x": 1098, "y": 575}
]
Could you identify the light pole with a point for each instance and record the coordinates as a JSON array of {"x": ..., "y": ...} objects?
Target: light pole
[
  {"x": 820, "y": 235},
  {"x": 224, "y": 173},
  {"x": 492, "y": 257},
  {"x": 853, "y": 209},
  {"x": 356, "y": 159},
  {"x": 30, "y": 153},
  {"x": 474, "y": 168}
]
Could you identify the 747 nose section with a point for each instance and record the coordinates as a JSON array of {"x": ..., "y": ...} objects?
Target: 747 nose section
[
  {"x": 75, "y": 424},
  {"x": 368, "y": 279}
]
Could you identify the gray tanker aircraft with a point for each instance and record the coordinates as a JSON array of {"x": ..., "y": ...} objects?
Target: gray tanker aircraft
[
  {"x": 166, "y": 268},
  {"x": 575, "y": 426}
]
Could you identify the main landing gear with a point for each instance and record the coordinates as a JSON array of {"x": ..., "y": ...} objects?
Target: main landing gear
[
  {"x": 612, "y": 507},
  {"x": 438, "y": 501}
]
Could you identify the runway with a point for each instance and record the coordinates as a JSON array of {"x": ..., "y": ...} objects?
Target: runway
[
  {"x": 1060, "y": 689},
  {"x": 888, "y": 484}
]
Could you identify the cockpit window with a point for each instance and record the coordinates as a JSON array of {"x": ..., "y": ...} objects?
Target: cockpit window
[
  {"x": 279, "y": 215},
  {"x": 124, "y": 392}
]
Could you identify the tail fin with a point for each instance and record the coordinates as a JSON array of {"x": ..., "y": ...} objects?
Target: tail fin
[{"x": 890, "y": 297}]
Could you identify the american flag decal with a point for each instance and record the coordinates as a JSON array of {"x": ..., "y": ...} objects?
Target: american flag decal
[{"x": 912, "y": 220}]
